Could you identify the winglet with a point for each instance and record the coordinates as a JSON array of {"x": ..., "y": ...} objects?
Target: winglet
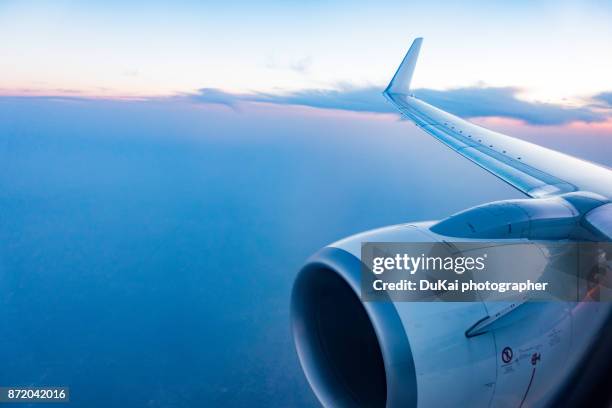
[{"x": 400, "y": 84}]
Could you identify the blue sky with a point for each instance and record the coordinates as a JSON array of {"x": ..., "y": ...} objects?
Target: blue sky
[
  {"x": 551, "y": 51},
  {"x": 542, "y": 62}
]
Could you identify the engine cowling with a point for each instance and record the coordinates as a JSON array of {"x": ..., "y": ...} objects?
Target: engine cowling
[{"x": 408, "y": 354}]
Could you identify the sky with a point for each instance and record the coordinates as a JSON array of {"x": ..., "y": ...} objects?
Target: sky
[
  {"x": 550, "y": 51},
  {"x": 543, "y": 63}
]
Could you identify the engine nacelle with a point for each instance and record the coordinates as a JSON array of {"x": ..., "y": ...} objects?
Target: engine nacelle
[
  {"x": 537, "y": 219},
  {"x": 408, "y": 354}
]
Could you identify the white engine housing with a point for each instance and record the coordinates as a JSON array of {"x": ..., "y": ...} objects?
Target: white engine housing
[{"x": 408, "y": 354}]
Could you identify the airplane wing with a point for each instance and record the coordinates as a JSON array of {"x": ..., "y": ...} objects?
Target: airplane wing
[{"x": 532, "y": 169}]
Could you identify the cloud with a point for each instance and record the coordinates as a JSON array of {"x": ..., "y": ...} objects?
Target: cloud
[
  {"x": 368, "y": 99},
  {"x": 502, "y": 102},
  {"x": 605, "y": 98},
  {"x": 219, "y": 97},
  {"x": 300, "y": 65},
  {"x": 468, "y": 102}
]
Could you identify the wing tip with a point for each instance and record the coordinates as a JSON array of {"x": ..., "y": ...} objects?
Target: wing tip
[{"x": 400, "y": 83}]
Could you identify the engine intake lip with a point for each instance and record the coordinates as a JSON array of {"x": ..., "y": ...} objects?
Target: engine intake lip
[{"x": 333, "y": 274}]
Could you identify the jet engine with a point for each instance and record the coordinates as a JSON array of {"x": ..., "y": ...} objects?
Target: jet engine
[{"x": 438, "y": 354}]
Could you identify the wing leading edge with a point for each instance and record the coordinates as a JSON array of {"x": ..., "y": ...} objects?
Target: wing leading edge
[{"x": 532, "y": 169}]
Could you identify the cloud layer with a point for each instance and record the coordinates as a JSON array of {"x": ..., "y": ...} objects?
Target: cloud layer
[
  {"x": 605, "y": 98},
  {"x": 466, "y": 102}
]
